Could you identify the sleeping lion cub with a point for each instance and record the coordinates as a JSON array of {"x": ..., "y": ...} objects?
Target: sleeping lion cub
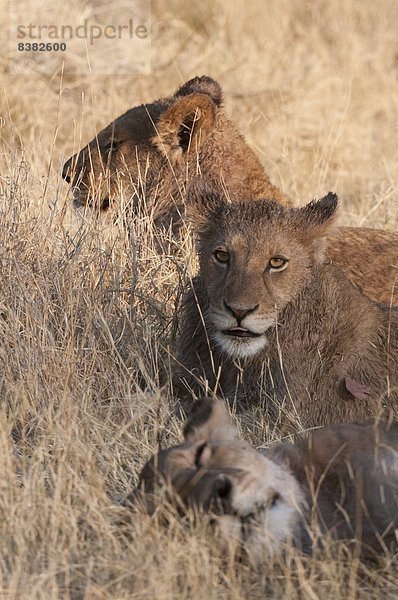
[{"x": 342, "y": 479}]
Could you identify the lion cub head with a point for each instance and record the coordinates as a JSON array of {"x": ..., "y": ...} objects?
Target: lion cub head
[
  {"x": 127, "y": 157},
  {"x": 255, "y": 258},
  {"x": 147, "y": 156},
  {"x": 249, "y": 497}
]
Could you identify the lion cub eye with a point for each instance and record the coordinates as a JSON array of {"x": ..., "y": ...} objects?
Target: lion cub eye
[
  {"x": 221, "y": 256},
  {"x": 278, "y": 263}
]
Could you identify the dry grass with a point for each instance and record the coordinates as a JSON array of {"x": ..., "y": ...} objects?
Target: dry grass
[{"x": 86, "y": 311}]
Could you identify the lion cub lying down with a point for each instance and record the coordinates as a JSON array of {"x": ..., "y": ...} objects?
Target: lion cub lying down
[
  {"x": 342, "y": 479},
  {"x": 270, "y": 317}
]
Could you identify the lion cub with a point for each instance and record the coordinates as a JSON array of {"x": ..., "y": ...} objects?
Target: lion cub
[
  {"x": 341, "y": 480},
  {"x": 270, "y": 318}
]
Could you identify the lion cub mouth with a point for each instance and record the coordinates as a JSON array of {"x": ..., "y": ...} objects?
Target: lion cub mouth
[{"x": 240, "y": 332}]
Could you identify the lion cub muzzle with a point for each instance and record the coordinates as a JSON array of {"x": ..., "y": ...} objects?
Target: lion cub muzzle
[{"x": 240, "y": 314}]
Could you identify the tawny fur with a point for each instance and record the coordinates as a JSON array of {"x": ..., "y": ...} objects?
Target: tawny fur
[
  {"x": 374, "y": 256},
  {"x": 341, "y": 480},
  {"x": 323, "y": 352},
  {"x": 159, "y": 147}
]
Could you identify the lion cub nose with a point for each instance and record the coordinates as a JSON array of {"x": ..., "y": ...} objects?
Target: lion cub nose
[{"x": 239, "y": 313}]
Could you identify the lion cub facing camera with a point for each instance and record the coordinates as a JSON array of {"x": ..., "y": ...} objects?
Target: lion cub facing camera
[{"x": 270, "y": 318}]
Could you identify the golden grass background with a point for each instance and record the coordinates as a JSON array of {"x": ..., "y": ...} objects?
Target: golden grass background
[{"x": 86, "y": 312}]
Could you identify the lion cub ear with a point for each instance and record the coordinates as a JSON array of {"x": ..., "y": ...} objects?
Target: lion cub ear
[
  {"x": 202, "y": 85},
  {"x": 185, "y": 125},
  {"x": 209, "y": 421},
  {"x": 321, "y": 213},
  {"x": 319, "y": 221}
]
